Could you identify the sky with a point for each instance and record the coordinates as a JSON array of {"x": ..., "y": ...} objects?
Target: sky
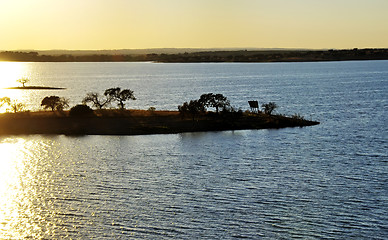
[{"x": 138, "y": 24}]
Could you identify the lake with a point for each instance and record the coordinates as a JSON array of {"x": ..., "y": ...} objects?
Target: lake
[{"x": 328, "y": 181}]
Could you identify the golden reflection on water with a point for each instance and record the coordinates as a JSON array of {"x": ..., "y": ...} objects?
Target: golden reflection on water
[
  {"x": 10, "y": 72},
  {"x": 25, "y": 210}
]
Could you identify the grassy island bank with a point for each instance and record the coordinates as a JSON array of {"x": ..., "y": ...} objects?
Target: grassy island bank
[{"x": 139, "y": 122}]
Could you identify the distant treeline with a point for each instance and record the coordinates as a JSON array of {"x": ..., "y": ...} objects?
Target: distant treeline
[{"x": 209, "y": 56}]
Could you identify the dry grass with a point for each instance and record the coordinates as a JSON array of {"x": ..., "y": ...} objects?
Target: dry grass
[
  {"x": 98, "y": 113},
  {"x": 133, "y": 113}
]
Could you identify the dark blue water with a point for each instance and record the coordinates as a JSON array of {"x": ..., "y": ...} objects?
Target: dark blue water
[{"x": 323, "y": 182}]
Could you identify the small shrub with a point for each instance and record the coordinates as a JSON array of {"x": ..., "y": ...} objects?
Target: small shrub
[
  {"x": 269, "y": 107},
  {"x": 16, "y": 107},
  {"x": 81, "y": 111},
  {"x": 297, "y": 116}
]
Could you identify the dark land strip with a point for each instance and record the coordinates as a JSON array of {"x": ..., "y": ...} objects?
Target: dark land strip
[
  {"x": 205, "y": 56},
  {"x": 139, "y": 122}
]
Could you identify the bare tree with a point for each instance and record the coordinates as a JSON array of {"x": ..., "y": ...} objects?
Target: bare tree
[
  {"x": 17, "y": 107},
  {"x": 96, "y": 100},
  {"x": 5, "y": 100}
]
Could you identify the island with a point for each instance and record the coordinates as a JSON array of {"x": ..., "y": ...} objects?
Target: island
[
  {"x": 35, "y": 88},
  {"x": 192, "y": 116},
  {"x": 25, "y": 80},
  {"x": 139, "y": 122}
]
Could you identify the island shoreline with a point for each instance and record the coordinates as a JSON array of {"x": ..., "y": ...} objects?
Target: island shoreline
[
  {"x": 139, "y": 122},
  {"x": 34, "y": 88}
]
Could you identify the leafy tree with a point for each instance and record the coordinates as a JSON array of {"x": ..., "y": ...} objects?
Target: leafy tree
[
  {"x": 96, "y": 100},
  {"x": 184, "y": 108},
  {"x": 121, "y": 96},
  {"x": 220, "y": 101},
  {"x": 269, "y": 107},
  {"x": 55, "y": 103},
  {"x": 214, "y": 100},
  {"x": 206, "y": 99},
  {"x": 23, "y": 81},
  {"x": 194, "y": 107}
]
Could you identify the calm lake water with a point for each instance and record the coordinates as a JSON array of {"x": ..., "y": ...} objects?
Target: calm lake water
[{"x": 323, "y": 182}]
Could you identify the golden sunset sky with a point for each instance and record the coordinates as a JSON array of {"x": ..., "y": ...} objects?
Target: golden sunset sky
[{"x": 132, "y": 24}]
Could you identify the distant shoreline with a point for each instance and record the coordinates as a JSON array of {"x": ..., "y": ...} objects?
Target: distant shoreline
[
  {"x": 272, "y": 55},
  {"x": 139, "y": 122}
]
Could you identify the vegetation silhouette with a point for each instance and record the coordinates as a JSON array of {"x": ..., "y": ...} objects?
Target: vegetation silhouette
[
  {"x": 55, "y": 103},
  {"x": 206, "y": 100},
  {"x": 191, "y": 117},
  {"x": 269, "y": 107},
  {"x": 5, "y": 100},
  {"x": 23, "y": 81},
  {"x": 16, "y": 106},
  {"x": 120, "y": 96},
  {"x": 194, "y": 107},
  {"x": 13, "y": 105},
  {"x": 214, "y": 100},
  {"x": 97, "y": 101},
  {"x": 81, "y": 110},
  {"x": 282, "y": 55},
  {"x": 197, "y": 107}
]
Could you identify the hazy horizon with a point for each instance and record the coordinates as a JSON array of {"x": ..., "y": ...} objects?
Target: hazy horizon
[
  {"x": 161, "y": 49},
  {"x": 125, "y": 24}
]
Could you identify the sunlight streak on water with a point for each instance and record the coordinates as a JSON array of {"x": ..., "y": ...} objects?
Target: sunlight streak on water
[
  {"x": 25, "y": 209},
  {"x": 323, "y": 182}
]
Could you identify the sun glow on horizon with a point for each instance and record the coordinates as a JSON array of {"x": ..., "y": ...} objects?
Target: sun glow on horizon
[{"x": 10, "y": 72}]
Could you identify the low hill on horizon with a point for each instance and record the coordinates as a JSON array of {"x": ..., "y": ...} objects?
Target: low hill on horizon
[
  {"x": 56, "y": 52},
  {"x": 197, "y": 55}
]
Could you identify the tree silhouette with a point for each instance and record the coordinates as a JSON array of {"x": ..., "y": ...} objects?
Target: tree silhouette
[
  {"x": 194, "y": 107},
  {"x": 220, "y": 101},
  {"x": 5, "y": 100},
  {"x": 55, "y": 103},
  {"x": 23, "y": 81},
  {"x": 96, "y": 100},
  {"x": 121, "y": 96},
  {"x": 16, "y": 106},
  {"x": 269, "y": 107},
  {"x": 214, "y": 100}
]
